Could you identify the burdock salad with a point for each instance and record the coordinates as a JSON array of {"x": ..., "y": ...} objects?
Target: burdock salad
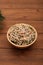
[{"x": 21, "y": 34}]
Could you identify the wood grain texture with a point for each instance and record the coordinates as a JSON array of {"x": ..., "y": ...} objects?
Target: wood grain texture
[
  {"x": 21, "y": 4},
  {"x": 21, "y": 11},
  {"x": 22, "y": 1},
  {"x": 23, "y": 14},
  {"x": 23, "y": 57}
]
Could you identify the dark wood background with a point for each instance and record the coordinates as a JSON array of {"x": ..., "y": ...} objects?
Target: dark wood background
[{"x": 17, "y": 11}]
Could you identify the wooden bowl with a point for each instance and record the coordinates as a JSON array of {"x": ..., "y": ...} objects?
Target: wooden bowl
[{"x": 21, "y": 46}]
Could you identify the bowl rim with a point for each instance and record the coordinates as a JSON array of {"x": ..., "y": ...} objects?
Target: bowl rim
[{"x": 23, "y": 46}]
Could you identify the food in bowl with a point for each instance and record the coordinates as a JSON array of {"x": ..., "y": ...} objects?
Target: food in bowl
[{"x": 22, "y": 35}]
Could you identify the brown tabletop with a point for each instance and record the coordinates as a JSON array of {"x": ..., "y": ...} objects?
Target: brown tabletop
[{"x": 18, "y": 11}]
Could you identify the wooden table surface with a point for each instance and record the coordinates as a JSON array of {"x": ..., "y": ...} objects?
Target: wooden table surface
[{"x": 17, "y": 11}]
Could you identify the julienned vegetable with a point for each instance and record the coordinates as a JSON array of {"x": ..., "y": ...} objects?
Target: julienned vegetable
[{"x": 21, "y": 34}]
